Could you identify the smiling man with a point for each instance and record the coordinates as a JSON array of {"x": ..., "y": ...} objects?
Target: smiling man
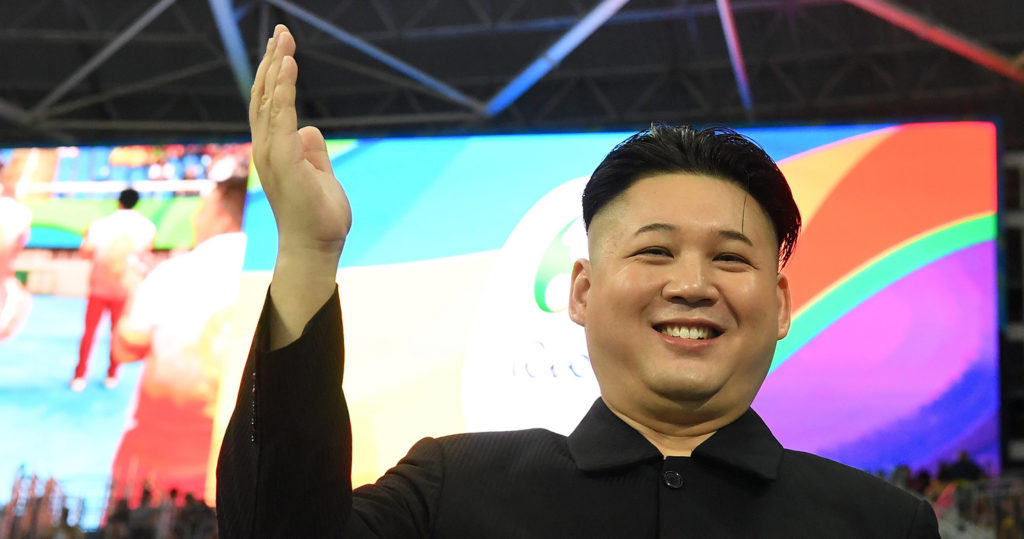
[{"x": 682, "y": 300}]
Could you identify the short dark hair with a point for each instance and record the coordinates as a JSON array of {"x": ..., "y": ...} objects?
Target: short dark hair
[
  {"x": 715, "y": 151},
  {"x": 232, "y": 196},
  {"x": 128, "y": 198}
]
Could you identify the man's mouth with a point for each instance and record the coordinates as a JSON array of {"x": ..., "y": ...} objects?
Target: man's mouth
[{"x": 688, "y": 332}]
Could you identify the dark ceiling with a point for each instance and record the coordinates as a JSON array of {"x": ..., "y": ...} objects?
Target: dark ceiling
[{"x": 159, "y": 70}]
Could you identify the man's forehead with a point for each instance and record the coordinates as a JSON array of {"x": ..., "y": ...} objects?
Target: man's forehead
[
  {"x": 678, "y": 203},
  {"x": 670, "y": 197}
]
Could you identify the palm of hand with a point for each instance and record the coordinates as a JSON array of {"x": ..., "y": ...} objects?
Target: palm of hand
[{"x": 310, "y": 206}]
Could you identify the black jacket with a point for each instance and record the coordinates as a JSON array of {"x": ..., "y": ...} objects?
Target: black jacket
[{"x": 284, "y": 471}]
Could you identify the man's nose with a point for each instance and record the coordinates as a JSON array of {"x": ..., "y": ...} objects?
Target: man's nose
[{"x": 689, "y": 282}]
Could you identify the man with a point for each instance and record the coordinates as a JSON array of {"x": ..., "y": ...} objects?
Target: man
[
  {"x": 177, "y": 321},
  {"x": 115, "y": 244},
  {"x": 682, "y": 302},
  {"x": 15, "y": 228}
]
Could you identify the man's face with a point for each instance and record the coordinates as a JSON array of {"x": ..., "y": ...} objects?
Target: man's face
[{"x": 681, "y": 300}]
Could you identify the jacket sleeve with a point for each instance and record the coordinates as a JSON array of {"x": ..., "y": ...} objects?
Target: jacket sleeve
[{"x": 285, "y": 464}]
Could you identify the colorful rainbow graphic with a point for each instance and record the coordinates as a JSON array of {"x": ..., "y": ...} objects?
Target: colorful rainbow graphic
[{"x": 895, "y": 299}]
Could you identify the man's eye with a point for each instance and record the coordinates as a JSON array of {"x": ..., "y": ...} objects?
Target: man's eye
[
  {"x": 732, "y": 257},
  {"x": 656, "y": 251}
]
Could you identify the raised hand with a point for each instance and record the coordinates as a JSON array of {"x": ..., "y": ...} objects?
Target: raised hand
[
  {"x": 310, "y": 207},
  {"x": 312, "y": 212}
]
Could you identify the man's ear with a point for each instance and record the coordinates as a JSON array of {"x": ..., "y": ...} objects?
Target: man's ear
[
  {"x": 579, "y": 291},
  {"x": 784, "y": 299}
]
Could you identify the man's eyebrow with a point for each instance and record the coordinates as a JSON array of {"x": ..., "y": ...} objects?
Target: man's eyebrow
[
  {"x": 735, "y": 235},
  {"x": 666, "y": 227},
  {"x": 655, "y": 227}
]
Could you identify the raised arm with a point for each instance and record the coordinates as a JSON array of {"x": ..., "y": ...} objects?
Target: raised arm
[
  {"x": 312, "y": 212},
  {"x": 284, "y": 466},
  {"x": 285, "y": 463}
]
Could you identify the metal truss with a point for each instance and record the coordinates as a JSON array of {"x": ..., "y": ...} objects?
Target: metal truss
[{"x": 387, "y": 66}]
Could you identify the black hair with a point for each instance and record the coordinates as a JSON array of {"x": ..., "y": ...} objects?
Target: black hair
[
  {"x": 232, "y": 196},
  {"x": 716, "y": 151},
  {"x": 128, "y": 198}
]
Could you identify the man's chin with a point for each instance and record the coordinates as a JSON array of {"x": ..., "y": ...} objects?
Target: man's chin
[{"x": 689, "y": 395}]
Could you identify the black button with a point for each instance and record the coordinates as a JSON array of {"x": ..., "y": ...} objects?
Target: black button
[{"x": 672, "y": 479}]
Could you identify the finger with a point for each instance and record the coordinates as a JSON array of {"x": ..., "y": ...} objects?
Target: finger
[
  {"x": 285, "y": 143},
  {"x": 275, "y": 54},
  {"x": 259, "y": 124},
  {"x": 314, "y": 147},
  {"x": 289, "y": 44},
  {"x": 283, "y": 117},
  {"x": 270, "y": 81},
  {"x": 256, "y": 94},
  {"x": 284, "y": 46}
]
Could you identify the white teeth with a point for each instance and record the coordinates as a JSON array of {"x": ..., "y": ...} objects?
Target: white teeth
[{"x": 686, "y": 332}]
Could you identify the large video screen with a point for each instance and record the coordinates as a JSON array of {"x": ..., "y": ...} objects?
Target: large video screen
[
  {"x": 77, "y": 251},
  {"x": 454, "y": 287}
]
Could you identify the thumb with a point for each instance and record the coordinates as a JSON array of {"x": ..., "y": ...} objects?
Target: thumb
[{"x": 315, "y": 148}]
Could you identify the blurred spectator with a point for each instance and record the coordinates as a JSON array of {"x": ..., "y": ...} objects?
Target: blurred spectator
[
  {"x": 196, "y": 521},
  {"x": 168, "y": 512},
  {"x": 177, "y": 321},
  {"x": 116, "y": 245},
  {"x": 943, "y": 475},
  {"x": 117, "y": 521},
  {"x": 965, "y": 469},
  {"x": 161, "y": 170},
  {"x": 28, "y": 172},
  {"x": 142, "y": 520},
  {"x": 920, "y": 481},
  {"x": 901, "y": 476},
  {"x": 15, "y": 300},
  {"x": 63, "y": 529},
  {"x": 1010, "y": 523}
]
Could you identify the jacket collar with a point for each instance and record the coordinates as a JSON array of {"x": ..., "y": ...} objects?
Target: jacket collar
[
  {"x": 745, "y": 444},
  {"x": 602, "y": 442}
]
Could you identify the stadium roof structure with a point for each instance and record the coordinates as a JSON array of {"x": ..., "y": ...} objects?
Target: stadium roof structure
[{"x": 159, "y": 70}]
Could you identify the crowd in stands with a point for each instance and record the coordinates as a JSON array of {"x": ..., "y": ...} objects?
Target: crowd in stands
[
  {"x": 172, "y": 517},
  {"x": 969, "y": 501},
  {"x": 169, "y": 518},
  {"x": 136, "y": 163},
  {"x": 37, "y": 174}
]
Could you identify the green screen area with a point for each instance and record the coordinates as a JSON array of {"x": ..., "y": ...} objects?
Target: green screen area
[{"x": 59, "y": 223}]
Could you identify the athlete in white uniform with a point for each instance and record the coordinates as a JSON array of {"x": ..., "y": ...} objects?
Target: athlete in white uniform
[{"x": 117, "y": 245}]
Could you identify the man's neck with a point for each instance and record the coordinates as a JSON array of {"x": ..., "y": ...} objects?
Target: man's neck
[{"x": 674, "y": 437}]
